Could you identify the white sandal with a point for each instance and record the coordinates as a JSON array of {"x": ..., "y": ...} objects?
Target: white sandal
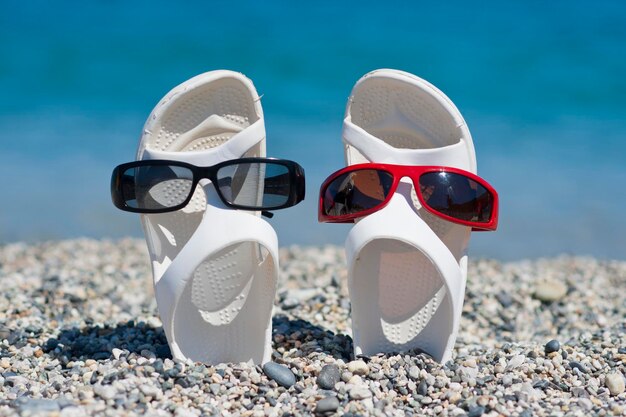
[
  {"x": 406, "y": 267},
  {"x": 215, "y": 269}
]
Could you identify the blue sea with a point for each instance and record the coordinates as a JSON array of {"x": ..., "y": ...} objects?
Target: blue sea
[{"x": 542, "y": 86}]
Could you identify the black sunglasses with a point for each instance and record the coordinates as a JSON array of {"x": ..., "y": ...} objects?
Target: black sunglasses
[{"x": 158, "y": 186}]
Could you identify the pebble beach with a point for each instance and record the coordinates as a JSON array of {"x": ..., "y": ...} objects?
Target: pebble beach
[{"x": 80, "y": 336}]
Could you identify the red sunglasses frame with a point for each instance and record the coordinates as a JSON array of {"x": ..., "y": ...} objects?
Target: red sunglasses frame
[{"x": 414, "y": 172}]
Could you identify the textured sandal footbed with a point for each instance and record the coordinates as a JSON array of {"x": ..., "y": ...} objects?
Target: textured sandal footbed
[
  {"x": 395, "y": 276},
  {"x": 230, "y": 296}
]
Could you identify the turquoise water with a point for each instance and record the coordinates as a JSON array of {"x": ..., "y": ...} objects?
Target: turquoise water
[{"x": 542, "y": 87}]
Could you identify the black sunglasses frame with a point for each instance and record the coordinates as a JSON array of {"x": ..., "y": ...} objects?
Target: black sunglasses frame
[{"x": 296, "y": 178}]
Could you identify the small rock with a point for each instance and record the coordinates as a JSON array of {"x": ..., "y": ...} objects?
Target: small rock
[
  {"x": 290, "y": 303},
  {"x": 455, "y": 386},
  {"x": 615, "y": 383},
  {"x": 549, "y": 291},
  {"x": 552, "y": 346},
  {"x": 515, "y": 361},
  {"x": 37, "y": 405},
  {"x": 507, "y": 380},
  {"x": 150, "y": 391},
  {"x": 329, "y": 376},
  {"x": 505, "y": 299},
  {"x": 360, "y": 393},
  {"x": 577, "y": 365},
  {"x": 117, "y": 352},
  {"x": 358, "y": 367},
  {"x": 585, "y": 403},
  {"x": 476, "y": 411},
  {"x": 106, "y": 392},
  {"x": 422, "y": 388},
  {"x": 327, "y": 405},
  {"x": 279, "y": 373},
  {"x": 414, "y": 372}
]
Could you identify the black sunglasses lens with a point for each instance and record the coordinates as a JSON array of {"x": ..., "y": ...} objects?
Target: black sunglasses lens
[
  {"x": 155, "y": 187},
  {"x": 457, "y": 196},
  {"x": 255, "y": 185},
  {"x": 356, "y": 191}
]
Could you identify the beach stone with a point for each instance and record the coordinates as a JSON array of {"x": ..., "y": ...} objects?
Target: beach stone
[
  {"x": 577, "y": 365},
  {"x": 358, "y": 367},
  {"x": 106, "y": 392},
  {"x": 505, "y": 299},
  {"x": 327, "y": 405},
  {"x": 360, "y": 393},
  {"x": 615, "y": 383},
  {"x": 37, "y": 405},
  {"x": 117, "y": 352},
  {"x": 5, "y": 333},
  {"x": 585, "y": 403},
  {"x": 422, "y": 388},
  {"x": 549, "y": 291},
  {"x": 476, "y": 411},
  {"x": 329, "y": 376},
  {"x": 414, "y": 372},
  {"x": 279, "y": 373},
  {"x": 515, "y": 361},
  {"x": 552, "y": 346}
]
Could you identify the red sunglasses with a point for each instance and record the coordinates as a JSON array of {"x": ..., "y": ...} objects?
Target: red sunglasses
[{"x": 450, "y": 193}]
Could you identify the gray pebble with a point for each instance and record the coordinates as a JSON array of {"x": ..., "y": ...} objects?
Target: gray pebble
[
  {"x": 106, "y": 392},
  {"x": 552, "y": 346},
  {"x": 327, "y": 405},
  {"x": 505, "y": 299},
  {"x": 615, "y": 383},
  {"x": 549, "y": 291},
  {"x": 358, "y": 367},
  {"x": 578, "y": 365},
  {"x": 279, "y": 373},
  {"x": 360, "y": 393},
  {"x": 422, "y": 388},
  {"x": 37, "y": 405},
  {"x": 329, "y": 376},
  {"x": 476, "y": 411}
]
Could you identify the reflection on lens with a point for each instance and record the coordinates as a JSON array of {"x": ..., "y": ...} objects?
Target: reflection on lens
[
  {"x": 156, "y": 187},
  {"x": 255, "y": 185},
  {"x": 457, "y": 196},
  {"x": 356, "y": 191}
]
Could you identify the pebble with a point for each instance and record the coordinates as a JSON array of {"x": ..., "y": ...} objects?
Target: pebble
[
  {"x": 422, "y": 388},
  {"x": 476, "y": 411},
  {"x": 552, "y": 346},
  {"x": 117, "y": 352},
  {"x": 358, "y": 367},
  {"x": 279, "y": 373},
  {"x": 360, "y": 393},
  {"x": 577, "y": 365},
  {"x": 515, "y": 361},
  {"x": 329, "y": 376},
  {"x": 549, "y": 291},
  {"x": 414, "y": 372},
  {"x": 615, "y": 383},
  {"x": 327, "y": 405},
  {"x": 106, "y": 392},
  {"x": 37, "y": 405}
]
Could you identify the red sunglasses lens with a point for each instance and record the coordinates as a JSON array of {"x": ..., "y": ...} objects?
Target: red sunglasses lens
[
  {"x": 356, "y": 191},
  {"x": 457, "y": 196}
]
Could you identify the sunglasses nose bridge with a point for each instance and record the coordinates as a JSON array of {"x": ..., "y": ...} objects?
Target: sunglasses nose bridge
[{"x": 409, "y": 178}]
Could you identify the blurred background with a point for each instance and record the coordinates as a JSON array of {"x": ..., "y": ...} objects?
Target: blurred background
[{"x": 541, "y": 85}]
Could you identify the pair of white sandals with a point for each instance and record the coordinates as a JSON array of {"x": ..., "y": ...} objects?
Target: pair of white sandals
[{"x": 215, "y": 269}]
